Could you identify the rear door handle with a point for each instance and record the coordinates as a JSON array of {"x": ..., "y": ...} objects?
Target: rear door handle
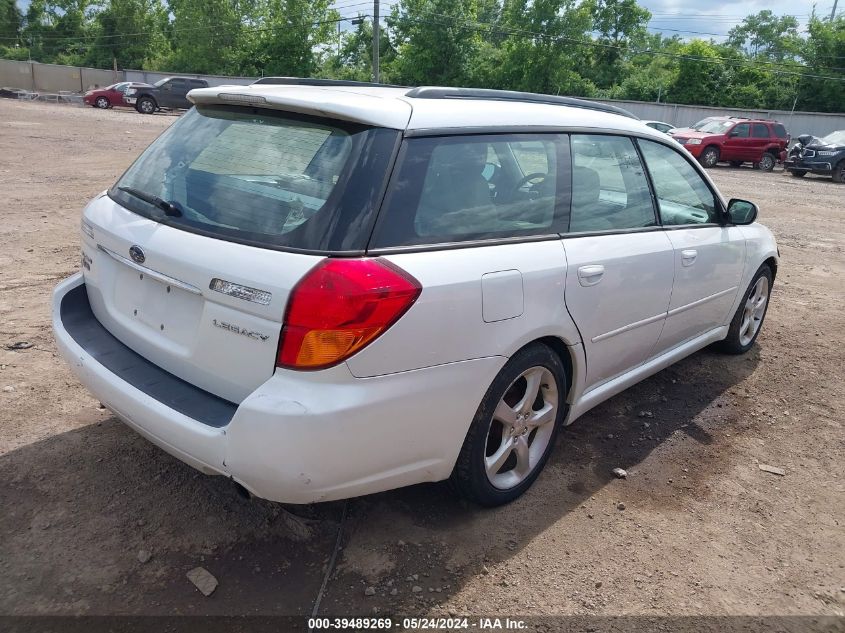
[
  {"x": 688, "y": 257},
  {"x": 590, "y": 275}
]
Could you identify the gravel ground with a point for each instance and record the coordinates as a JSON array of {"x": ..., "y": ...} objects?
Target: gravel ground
[{"x": 704, "y": 529}]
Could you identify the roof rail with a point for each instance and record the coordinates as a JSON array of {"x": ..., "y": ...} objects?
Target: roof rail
[
  {"x": 511, "y": 95},
  {"x": 309, "y": 81}
]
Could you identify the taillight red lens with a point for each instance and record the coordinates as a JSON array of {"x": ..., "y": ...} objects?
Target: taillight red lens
[{"x": 339, "y": 307}]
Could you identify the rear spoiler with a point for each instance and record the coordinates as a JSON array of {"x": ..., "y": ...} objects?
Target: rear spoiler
[{"x": 337, "y": 102}]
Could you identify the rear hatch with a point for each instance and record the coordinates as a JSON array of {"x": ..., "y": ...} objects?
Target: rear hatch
[{"x": 193, "y": 253}]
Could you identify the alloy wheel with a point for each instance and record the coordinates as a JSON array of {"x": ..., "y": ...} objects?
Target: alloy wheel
[
  {"x": 767, "y": 162},
  {"x": 755, "y": 309},
  {"x": 521, "y": 427},
  {"x": 102, "y": 103}
]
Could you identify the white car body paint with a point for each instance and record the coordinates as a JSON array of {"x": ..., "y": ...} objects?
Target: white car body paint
[{"x": 622, "y": 306}]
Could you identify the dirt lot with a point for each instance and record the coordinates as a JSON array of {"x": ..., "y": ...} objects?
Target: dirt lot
[{"x": 704, "y": 530}]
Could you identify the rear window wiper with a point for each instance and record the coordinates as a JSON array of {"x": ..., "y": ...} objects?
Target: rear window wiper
[{"x": 171, "y": 209}]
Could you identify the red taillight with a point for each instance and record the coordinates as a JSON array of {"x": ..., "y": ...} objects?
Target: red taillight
[{"x": 339, "y": 307}]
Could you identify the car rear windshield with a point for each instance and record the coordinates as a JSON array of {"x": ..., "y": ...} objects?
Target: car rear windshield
[{"x": 262, "y": 177}]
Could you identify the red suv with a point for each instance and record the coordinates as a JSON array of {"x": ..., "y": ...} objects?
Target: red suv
[{"x": 734, "y": 140}]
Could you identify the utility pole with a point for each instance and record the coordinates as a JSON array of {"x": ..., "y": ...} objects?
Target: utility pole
[
  {"x": 833, "y": 10},
  {"x": 376, "y": 40}
]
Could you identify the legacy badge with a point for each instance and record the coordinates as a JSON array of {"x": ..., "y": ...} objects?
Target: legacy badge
[{"x": 258, "y": 336}]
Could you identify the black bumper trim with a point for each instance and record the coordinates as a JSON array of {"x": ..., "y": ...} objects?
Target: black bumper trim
[{"x": 79, "y": 321}]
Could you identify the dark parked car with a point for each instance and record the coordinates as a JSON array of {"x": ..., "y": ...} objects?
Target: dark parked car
[
  {"x": 169, "y": 93},
  {"x": 825, "y": 156}
]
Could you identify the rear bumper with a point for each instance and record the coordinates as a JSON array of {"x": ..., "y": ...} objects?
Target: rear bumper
[{"x": 301, "y": 437}]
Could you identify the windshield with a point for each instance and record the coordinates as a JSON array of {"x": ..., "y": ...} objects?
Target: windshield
[
  {"x": 715, "y": 126},
  {"x": 835, "y": 138},
  {"x": 250, "y": 175},
  {"x": 161, "y": 82}
]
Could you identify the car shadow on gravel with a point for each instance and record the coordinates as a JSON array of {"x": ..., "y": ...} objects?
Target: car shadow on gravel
[
  {"x": 79, "y": 507},
  {"x": 423, "y": 537}
]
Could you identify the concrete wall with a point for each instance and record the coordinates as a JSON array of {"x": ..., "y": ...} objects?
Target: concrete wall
[
  {"x": 796, "y": 123},
  {"x": 15, "y": 74},
  {"x": 56, "y": 78}
]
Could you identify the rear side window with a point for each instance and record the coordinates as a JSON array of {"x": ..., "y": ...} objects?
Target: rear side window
[
  {"x": 197, "y": 83},
  {"x": 760, "y": 130},
  {"x": 263, "y": 177},
  {"x": 454, "y": 189},
  {"x": 780, "y": 131},
  {"x": 609, "y": 186}
]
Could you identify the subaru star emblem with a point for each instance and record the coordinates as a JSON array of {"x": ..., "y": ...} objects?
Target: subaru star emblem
[{"x": 137, "y": 254}]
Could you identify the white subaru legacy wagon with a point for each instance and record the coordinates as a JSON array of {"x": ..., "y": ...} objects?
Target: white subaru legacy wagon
[{"x": 324, "y": 290}]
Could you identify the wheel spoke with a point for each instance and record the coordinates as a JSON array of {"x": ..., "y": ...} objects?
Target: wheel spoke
[
  {"x": 543, "y": 416},
  {"x": 523, "y": 456},
  {"x": 497, "y": 459},
  {"x": 532, "y": 386},
  {"x": 505, "y": 414}
]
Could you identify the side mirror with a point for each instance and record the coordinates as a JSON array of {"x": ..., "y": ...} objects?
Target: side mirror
[{"x": 742, "y": 211}]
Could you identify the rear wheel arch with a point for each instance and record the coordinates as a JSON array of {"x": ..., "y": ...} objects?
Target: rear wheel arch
[{"x": 561, "y": 349}]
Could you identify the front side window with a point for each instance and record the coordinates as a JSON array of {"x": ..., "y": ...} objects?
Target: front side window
[
  {"x": 780, "y": 131},
  {"x": 263, "y": 177},
  {"x": 609, "y": 186},
  {"x": 454, "y": 189},
  {"x": 743, "y": 130},
  {"x": 682, "y": 195}
]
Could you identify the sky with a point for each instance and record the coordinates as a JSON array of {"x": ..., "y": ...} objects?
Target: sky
[{"x": 686, "y": 18}]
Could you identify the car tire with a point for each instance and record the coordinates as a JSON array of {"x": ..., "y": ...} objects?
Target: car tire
[
  {"x": 710, "y": 156},
  {"x": 748, "y": 320},
  {"x": 146, "y": 105},
  {"x": 736, "y": 163},
  {"x": 510, "y": 438},
  {"x": 839, "y": 172},
  {"x": 102, "y": 103},
  {"x": 767, "y": 162}
]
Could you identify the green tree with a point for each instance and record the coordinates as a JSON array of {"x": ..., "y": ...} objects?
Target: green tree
[
  {"x": 354, "y": 59},
  {"x": 10, "y": 23},
  {"x": 130, "y": 32},
  {"x": 288, "y": 37},
  {"x": 700, "y": 74},
  {"x": 56, "y": 31},
  {"x": 435, "y": 40},
  {"x": 824, "y": 56},
  {"x": 620, "y": 24},
  {"x": 768, "y": 35},
  {"x": 205, "y": 36},
  {"x": 547, "y": 43}
]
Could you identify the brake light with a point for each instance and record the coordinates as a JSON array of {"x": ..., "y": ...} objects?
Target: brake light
[{"x": 341, "y": 306}]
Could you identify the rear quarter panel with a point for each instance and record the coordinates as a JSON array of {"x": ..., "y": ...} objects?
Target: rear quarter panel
[{"x": 475, "y": 303}]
